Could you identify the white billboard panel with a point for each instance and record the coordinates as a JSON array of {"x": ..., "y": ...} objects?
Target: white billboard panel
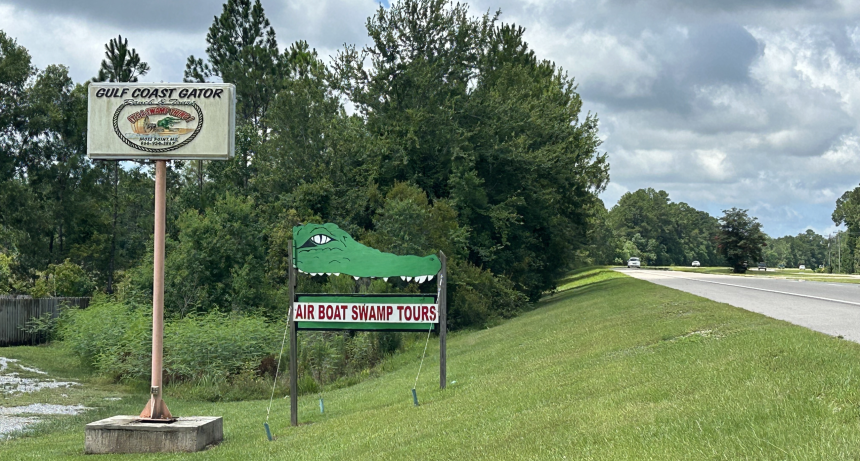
[{"x": 183, "y": 121}]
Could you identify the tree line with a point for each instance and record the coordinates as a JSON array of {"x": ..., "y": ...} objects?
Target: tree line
[
  {"x": 459, "y": 139},
  {"x": 648, "y": 225}
]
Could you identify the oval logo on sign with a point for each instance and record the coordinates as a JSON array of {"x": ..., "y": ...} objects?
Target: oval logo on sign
[{"x": 152, "y": 127}]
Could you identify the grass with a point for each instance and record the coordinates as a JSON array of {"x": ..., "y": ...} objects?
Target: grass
[{"x": 611, "y": 368}]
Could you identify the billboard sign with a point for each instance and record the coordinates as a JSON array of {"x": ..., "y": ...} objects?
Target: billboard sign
[{"x": 182, "y": 121}]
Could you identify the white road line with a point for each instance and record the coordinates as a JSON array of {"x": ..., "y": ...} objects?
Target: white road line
[{"x": 769, "y": 291}]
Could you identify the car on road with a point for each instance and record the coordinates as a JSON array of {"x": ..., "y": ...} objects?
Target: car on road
[
  {"x": 633, "y": 262},
  {"x": 762, "y": 266},
  {"x": 802, "y": 267},
  {"x": 696, "y": 264}
]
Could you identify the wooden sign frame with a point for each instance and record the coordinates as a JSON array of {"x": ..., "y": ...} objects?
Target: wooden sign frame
[{"x": 294, "y": 327}]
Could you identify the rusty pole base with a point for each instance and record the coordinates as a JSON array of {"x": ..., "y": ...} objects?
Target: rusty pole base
[{"x": 156, "y": 415}]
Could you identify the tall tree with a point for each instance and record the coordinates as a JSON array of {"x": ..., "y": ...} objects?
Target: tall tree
[
  {"x": 15, "y": 71},
  {"x": 462, "y": 109},
  {"x": 242, "y": 50},
  {"x": 847, "y": 212},
  {"x": 121, "y": 64},
  {"x": 741, "y": 239}
]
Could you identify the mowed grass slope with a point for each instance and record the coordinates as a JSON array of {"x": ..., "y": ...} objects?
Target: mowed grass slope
[{"x": 613, "y": 368}]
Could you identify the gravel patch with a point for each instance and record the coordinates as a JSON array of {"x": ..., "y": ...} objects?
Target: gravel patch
[
  {"x": 12, "y": 383},
  {"x": 4, "y": 363},
  {"x": 15, "y": 419},
  {"x": 9, "y": 424},
  {"x": 43, "y": 409}
]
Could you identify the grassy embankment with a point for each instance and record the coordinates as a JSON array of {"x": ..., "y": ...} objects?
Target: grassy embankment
[{"x": 611, "y": 368}]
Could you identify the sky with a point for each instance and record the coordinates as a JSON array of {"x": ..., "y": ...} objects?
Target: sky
[{"x": 753, "y": 104}]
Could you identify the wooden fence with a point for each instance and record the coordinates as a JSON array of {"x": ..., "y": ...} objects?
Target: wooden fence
[{"x": 14, "y": 314}]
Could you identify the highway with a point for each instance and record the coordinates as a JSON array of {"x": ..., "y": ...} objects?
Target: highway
[{"x": 831, "y": 308}]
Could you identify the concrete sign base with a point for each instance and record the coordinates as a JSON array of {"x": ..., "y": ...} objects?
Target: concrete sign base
[{"x": 126, "y": 434}]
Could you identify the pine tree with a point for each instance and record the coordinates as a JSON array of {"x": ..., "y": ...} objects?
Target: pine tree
[{"x": 120, "y": 63}]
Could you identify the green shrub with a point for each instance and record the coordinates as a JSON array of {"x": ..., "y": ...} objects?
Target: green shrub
[
  {"x": 65, "y": 280},
  {"x": 116, "y": 339},
  {"x": 90, "y": 333},
  {"x": 217, "y": 343},
  {"x": 477, "y": 297}
]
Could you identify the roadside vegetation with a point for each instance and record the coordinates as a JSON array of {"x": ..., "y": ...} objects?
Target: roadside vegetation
[{"x": 610, "y": 368}]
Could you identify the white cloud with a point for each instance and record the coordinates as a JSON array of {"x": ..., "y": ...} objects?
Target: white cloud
[
  {"x": 749, "y": 104},
  {"x": 80, "y": 45}
]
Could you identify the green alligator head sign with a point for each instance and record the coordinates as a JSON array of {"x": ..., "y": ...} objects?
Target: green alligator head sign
[{"x": 327, "y": 249}]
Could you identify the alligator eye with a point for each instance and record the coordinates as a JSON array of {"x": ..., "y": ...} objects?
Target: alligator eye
[{"x": 321, "y": 239}]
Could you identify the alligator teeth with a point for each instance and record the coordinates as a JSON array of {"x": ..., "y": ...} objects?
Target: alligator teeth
[
  {"x": 355, "y": 277},
  {"x": 429, "y": 278},
  {"x": 385, "y": 278},
  {"x": 336, "y": 274},
  {"x": 408, "y": 279},
  {"x": 328, "y": 273},
  {"x": 420, "y": 279},
  {"x": 402, "y": 277}
]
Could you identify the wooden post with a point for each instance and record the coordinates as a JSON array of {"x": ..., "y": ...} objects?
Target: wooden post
[
  {"x": 156, "y": 408},
  {"x": 442, "y": 286},
  {"x": 294, "y": 365}
]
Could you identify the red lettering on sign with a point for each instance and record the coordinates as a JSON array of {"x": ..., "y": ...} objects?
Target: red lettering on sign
[
  {"x": 388, "y": 312},
  {"x": 299, "y": 312},
  {"x": 424, "y": 310},
  {"x": 432, "y": 313},
  {"x": 400, "y": 313},
  {"x": 354, "y": 313},
  {"x": 321, "y": 312},
  {"x": 372, "y": 313}
]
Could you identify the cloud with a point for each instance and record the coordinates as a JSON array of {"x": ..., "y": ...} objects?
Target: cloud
[
  {"x": 79, "y": 44},
  {"x": 153, "y": 15},
  {"x": 722, "y": 103}
]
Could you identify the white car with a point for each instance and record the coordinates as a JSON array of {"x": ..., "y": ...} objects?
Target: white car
[
  {"x": 802, "y": 267},
  {"x": 633, "y": 262},
  {"x": 696, "y": 264}
]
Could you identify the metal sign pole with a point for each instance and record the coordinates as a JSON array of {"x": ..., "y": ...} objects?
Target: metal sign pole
[
  {"x": 156, "y": 409},
  {"x": 294, "y": 362},
  {"x": 442, "y": 281}
]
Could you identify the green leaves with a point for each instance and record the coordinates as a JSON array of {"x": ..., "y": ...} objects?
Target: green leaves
[
  {"x": 741, "y": 239},
  {"x": 121, "y": 64}
]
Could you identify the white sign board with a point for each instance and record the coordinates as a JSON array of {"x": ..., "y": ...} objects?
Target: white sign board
[{"x": 162, "y": 121}]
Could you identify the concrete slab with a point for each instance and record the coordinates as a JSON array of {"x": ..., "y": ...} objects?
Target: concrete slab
[{"x": 126, "y": 434}]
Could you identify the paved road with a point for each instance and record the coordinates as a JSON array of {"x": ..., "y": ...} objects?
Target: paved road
[{"x": 831, "y": 308}]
